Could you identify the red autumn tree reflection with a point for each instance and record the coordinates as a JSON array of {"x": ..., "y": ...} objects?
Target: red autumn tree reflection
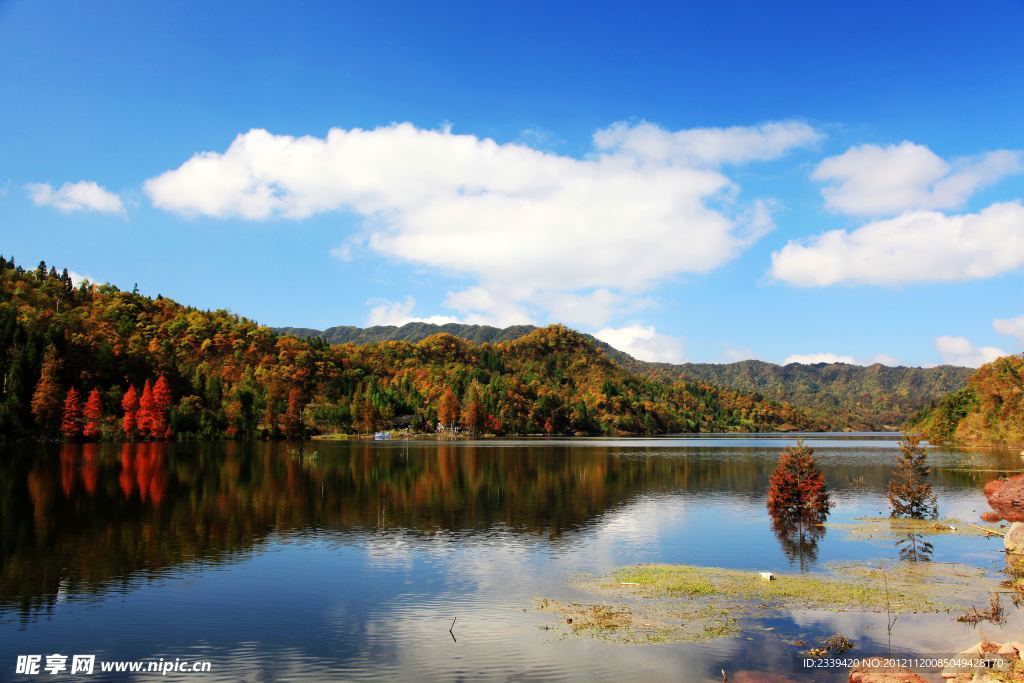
[{"x": 798, "y": 503}]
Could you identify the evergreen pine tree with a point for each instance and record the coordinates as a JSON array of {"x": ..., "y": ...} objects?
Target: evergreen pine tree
[{"x": 909, "y": 494}]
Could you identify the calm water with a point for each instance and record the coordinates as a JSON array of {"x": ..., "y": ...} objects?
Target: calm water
[{"x": 348, "y": 561}]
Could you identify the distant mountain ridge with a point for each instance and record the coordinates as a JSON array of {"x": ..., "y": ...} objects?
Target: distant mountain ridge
[{"x": 839, "y": 395}]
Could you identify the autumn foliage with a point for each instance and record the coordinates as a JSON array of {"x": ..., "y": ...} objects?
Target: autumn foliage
[
  {"x": 93, "y": 415},
  {"x": 989, "y": 411},
  {"x": 71, "y": 421},
  {"x": 130, "y": 409},
  {"x": 798, "y": 503},
  {"x": 162, "y": 370},
  {"x": 797, "y": 486},
  {"x": 46, "y": 399}
]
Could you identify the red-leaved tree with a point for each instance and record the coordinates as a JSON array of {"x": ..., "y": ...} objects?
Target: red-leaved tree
[
  {"x": 293, "y": 416},
  {"x": 71, "y": 422},
  {"x": 797, "y": 486},
  {"x": 130, "y": 406},
  {"x": 160, "y": 418},
  {"x": 144, "y": 421},
  {"x": 93, "y": 415},
  {"x": 798, "y": 503}
]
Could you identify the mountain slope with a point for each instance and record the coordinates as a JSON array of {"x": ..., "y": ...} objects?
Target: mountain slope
[
  {"x": 229, "y": 377},
  {"x": 840, "y": 395},
  {"x": 989, "y": 411},
  {"x": 837, "y": 395}
]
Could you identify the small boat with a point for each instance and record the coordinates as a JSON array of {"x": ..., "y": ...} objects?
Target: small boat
[{"x": 382, "y": 436}]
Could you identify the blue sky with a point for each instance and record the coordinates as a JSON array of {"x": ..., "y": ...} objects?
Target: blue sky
[{"x": 662, "y": 175}]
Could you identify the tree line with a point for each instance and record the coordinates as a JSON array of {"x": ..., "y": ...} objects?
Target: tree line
[{"x": 92, "y": 362}]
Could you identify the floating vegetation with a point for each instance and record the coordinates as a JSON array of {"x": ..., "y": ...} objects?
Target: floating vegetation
[
  {"x": 994, "y": 613},
  {"x": 894, "y": 528},
  {"x": 673, "y": 603},
  {"x": 834, "y": 646},
  {"x": 642, "y": 623}
]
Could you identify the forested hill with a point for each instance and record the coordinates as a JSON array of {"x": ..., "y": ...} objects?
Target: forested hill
[
  {"x": 989, "y": 411},
  {"x": 94, "y": 362},
  {"x": 838, "y": 395},
  {"x": 417, "y": 331},
  {"x": 411, "y": 332}
]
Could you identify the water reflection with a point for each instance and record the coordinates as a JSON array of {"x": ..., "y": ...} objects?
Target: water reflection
[
  {"x": 92, "y": 516},
  {"x": 915, "y": 548},
  {"x": 799, "y": 536},
  {"x": 350, "y": 559}
]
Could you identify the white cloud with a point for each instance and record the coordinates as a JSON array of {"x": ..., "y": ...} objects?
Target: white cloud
[
  {"x": 78, "y": 278},
  {"x": 812, "y": 358},
  {"x": 482, "y": 307},
  {"x": 870, "y": 180},
  {"x": 960, "y": 351},
  {"x": 705, "y": 147},
  {"x": 400, "y": 312},
  {"x": 81, "y": 196},
  {"x": 591, "y": 310},
  {"x": 919, "y": 246},
  {"x": 344, "y": 252},
  {"x": 643, "y": 343},
  {"x": 1010, "y": 327},
  {"x": 522, "y": 223}
]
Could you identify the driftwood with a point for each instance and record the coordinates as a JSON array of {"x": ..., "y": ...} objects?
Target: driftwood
[{"x": 988, "y": 531}]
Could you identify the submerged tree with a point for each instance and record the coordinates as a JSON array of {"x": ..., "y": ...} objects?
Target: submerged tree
[
  {"x": 797, "y": 486},
  {"x": 798, "y": 502},
  {"x": 909, "y": 494}
]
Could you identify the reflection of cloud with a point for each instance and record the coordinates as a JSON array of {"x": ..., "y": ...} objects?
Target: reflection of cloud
[{"x": 391, "y": 550}]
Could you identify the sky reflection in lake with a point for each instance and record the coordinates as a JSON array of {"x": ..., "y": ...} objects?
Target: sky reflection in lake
[{"x": 350, "y": 560}]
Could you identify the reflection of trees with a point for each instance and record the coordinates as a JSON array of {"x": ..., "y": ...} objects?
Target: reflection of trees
[
  {"x": 98, "y": 514},
  {"x": 799, "y": 535},
  {"x": 914, "y": 548}
]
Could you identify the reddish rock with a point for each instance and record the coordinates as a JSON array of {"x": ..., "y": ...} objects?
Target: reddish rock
[
  {"x": 1006, "y": 496},
  {"x": 863, "y": 675},
  {"x": 990, "y": 517}
]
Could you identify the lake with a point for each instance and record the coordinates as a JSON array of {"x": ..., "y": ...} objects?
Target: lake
[{"x": 350, "y": 560}]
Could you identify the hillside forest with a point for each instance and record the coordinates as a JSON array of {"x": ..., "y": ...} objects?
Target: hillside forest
[{"x": 91, "y": 362}]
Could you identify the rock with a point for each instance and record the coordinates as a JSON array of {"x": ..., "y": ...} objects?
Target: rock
[
  {"x": 1014, "y": 539},
  {"x": 1006, "y": 496},
  {"x": 864, "y": 675},
  {"x": 990, "y": 516},
  {"x": 1008, "y": 650},
  {"x": 1011, "y": 650}
]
